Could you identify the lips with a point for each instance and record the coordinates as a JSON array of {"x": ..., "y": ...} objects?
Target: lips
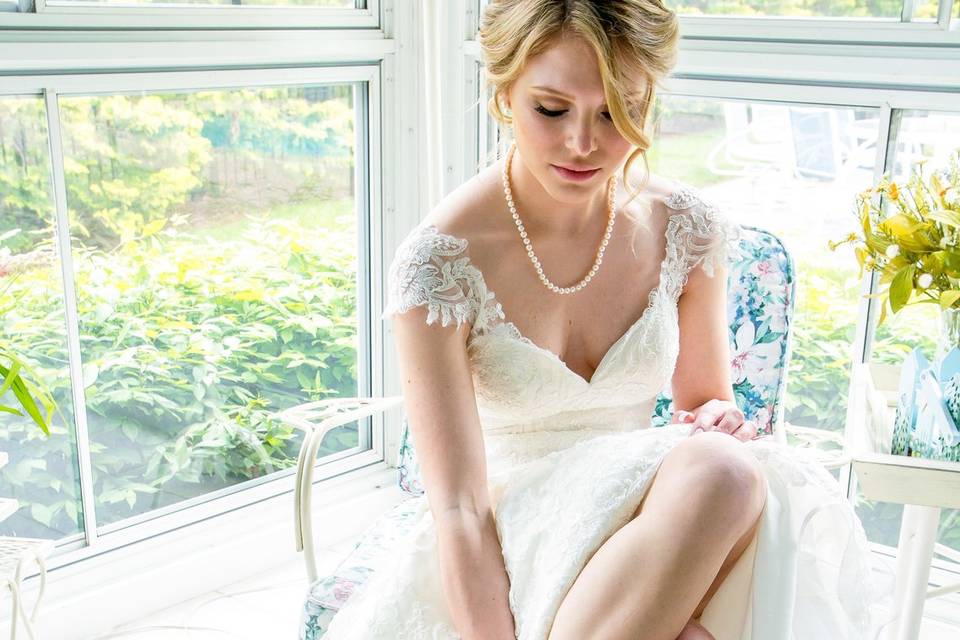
[{"x": 573, "y": 174}]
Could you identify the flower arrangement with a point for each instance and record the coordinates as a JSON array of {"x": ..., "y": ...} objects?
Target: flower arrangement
[{"x": 916, "y": 250}]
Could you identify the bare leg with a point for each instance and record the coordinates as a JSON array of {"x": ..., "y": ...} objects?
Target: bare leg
[{"x": 647, "y": 579}]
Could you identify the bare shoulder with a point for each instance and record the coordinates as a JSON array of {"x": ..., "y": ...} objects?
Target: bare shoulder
[
  {"x": 469, "y": 212},
  {"x": 658, "y": 190}
]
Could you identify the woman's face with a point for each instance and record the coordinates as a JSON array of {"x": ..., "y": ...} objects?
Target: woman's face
[{"x": 561, "y": 121}]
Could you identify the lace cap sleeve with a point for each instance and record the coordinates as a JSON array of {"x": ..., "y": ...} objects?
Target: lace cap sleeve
[
  {"x": 431, "y": 268},
  {"x": 705, "y": 235}
]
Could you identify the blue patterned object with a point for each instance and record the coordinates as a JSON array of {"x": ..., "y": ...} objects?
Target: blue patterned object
[
  {"x": 328, "y": 594},
  {"x": 951, "y": 394},
  {"x": 761, "y": 290}
]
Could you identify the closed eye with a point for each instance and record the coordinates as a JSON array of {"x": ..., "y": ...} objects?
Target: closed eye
[
  {"x": 554, "y": 114},
  {"x": 547, "y": 112}
]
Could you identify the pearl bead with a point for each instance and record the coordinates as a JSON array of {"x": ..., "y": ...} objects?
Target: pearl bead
[{"x": 611, "y": 216}]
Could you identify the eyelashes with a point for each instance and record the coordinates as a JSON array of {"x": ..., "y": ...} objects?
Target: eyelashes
[{"x": 555, "y": 114}]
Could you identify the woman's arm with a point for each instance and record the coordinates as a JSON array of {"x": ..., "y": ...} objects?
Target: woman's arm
[{"x": 442, "y": 414}]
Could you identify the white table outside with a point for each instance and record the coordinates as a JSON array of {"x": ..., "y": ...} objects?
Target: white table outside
[{"x": 923, "y": 486}]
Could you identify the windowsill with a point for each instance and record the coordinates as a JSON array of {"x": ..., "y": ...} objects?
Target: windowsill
[{"x": 94, "y": 595}]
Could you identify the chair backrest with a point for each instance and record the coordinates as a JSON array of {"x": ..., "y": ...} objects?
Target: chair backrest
[{"x": 761, "y": 290}]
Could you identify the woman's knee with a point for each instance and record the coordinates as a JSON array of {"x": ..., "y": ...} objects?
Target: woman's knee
[{"x": 724, "y": 471}]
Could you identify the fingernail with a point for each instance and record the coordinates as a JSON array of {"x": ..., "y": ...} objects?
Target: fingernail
[{"x": 698, "y": 429}]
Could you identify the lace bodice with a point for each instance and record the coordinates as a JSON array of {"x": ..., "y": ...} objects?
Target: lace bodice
[{"x": 519, "y": 384}]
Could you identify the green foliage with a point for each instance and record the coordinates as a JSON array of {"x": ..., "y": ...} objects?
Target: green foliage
[
  {"x": 188, "y": 344},
  {"x": 132, "y": 161}
]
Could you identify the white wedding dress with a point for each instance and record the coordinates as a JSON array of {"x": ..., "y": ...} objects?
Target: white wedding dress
[{"x": 570, "y": 460}]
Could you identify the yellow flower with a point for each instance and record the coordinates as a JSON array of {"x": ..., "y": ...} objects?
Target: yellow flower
[{"x": 893, "y": 191}]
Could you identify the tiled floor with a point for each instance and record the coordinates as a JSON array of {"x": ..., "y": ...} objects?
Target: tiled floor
[{"x": 267, "y": 607}]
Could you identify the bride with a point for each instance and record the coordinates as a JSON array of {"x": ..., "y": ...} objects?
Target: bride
[{"x": 537, "y": 312}]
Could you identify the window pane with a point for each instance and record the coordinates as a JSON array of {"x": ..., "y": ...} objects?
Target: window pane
[
  {"x": 337, "y": 4},
  {"x": 42, "y": 473},
  {"x": 792, "y": 8},
  {"x": 927, "y": 137},
  {"x": 215, "y": 250},
  {"x": 793, "y": 171},
  {"x": 926, "y": 10}
]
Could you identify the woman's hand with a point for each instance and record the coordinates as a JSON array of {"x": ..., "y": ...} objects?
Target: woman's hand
[{"x": 719, "y": 415}]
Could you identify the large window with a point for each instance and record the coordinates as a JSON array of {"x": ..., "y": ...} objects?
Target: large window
[{"x": 183, "y": 254}]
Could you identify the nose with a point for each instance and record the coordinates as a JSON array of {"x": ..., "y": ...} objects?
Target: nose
[{"x": 581, "y": 138}]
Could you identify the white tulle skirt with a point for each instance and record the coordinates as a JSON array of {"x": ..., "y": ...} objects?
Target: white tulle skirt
[{"x": 808, "y": 574}]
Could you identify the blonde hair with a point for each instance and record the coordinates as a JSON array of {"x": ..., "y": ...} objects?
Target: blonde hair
[{"x": 633, "y": 39}]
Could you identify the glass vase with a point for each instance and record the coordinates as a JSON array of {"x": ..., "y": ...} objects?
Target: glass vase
[{"x": 949, "y": 331}]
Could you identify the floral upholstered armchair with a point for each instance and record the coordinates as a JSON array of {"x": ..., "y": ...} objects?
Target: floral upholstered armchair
[{"x": 761, "y": 290}]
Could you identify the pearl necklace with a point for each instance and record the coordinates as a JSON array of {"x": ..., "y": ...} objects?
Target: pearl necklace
[{"x": 611, "y": 215}]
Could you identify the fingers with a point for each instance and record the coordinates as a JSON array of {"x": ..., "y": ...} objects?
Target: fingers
[
  {"x": 706, "y": 420},
  {"x": 746, "y": 431},
  {"x": 730, "y": 421}
]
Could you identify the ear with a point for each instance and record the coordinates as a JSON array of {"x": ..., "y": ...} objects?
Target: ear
[{"x": 504, "y": 100}]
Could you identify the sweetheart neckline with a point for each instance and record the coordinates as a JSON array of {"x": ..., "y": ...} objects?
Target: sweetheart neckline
[{"x": 652, "y": 298}]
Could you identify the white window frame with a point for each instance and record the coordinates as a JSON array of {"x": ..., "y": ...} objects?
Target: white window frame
[
  {"x": 50, "y": 64},
  {"x": 97, "y": 539},
  {"x": 97, "y": 15}
]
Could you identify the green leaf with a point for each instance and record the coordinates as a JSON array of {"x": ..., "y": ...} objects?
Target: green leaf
[
  {"x": 901, "y": 288},
  {"x": 944, "y": 216},
  {"x": 948, "y": 298}
]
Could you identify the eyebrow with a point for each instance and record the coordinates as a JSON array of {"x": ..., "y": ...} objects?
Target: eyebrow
[
  {"x": 569, "y": 97},
  {"x": 552, "y": 90}
]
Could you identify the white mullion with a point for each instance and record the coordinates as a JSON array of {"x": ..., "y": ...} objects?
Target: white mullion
[
  {"x": 363, "y": 212},
  {"x": 453, "y": 106},
  {"x": 868, "y": 309},
  {"x": 906, "y": 12},
  {"x": 433, "y": 128},
  {"x": 401, "y": 185},
  {"x": 772, "y": 91},
  {"x": 818, "y": 30},
  {"x": 852, "y": 65},
  {"x": 24, "y": 53},
  {"x": 944, "y": 12},
  {"x": 472, "y": 49},
  {"x": 55, "y": 145},
  {"x": 112, "y": 83},
  {"x": 92, "y": 15}
]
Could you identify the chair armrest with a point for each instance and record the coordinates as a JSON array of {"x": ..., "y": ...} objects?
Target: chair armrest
[{"x": 316, "y": 420}]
